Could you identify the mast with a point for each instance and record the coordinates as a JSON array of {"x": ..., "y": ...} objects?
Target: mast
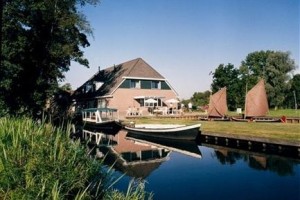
[
  {"x": 209, "y": 103},
  {"x": 245, "y": 110}
]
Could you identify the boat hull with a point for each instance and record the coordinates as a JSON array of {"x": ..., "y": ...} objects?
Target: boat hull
[
  {"x": 106, "y": 127},
  {"x": 186, "y": 147},
  {"x": 180, "y": 133},
  {"x": 266, "y": 120}
]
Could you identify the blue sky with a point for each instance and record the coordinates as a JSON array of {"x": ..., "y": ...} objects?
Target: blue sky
[{"x": 186, "y": 39}]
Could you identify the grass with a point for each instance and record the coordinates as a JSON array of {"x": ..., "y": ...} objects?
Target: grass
[
  {"x": 272, "y": 131},
  {"x": 286, "y": 132},
  {"x": 284, "y": 112},
  {"x": 277, "y": 113},
  {"x": 39, "y": 161},
  {"x": 135, "y": 191}
]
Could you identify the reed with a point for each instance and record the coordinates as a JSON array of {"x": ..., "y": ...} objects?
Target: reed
[
  {"x": 39, "y": 161},
  {"x": 135, "y": 191}
]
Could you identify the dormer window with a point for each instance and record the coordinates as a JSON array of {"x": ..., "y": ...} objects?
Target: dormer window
[
  {"x": 155, "y": 85},
  {"x": 135, "y": 84},
  {"x": 88, "y": 87},
  {"x": 97, "y": 84}
]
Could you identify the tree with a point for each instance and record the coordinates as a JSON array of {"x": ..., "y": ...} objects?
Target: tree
[
  {"x": 228, "y": 76},
  {"x": 200, "y": 98},
  {"x": 274, "y": 67},
  {"x": 40, "y": 39},
  {"x": 292, "y": 99}
]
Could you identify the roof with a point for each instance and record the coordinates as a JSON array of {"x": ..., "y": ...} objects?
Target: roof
[{"x": 113, "y": 76}]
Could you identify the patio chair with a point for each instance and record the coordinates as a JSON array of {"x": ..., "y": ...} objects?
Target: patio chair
[
  {"x": 128, "y": 112},
  {"x": 165, "y": 110},
  {"x": 140, "y": 112}
]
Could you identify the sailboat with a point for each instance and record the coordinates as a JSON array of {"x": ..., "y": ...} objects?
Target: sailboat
[
  {"x": 217, "y": 108},
  {"x": 256, "y": 105}
]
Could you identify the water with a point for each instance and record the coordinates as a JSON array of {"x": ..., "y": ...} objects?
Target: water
[{"x": 187, "y": 170}]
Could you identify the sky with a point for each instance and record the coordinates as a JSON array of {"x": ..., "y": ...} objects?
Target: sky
[{"x": 185, "y": 40}]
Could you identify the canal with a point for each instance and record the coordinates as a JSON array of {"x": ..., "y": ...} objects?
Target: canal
[{"x": 200, "y": 170}]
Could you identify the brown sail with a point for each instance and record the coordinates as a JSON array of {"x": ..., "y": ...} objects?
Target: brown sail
[
  {"x": 218, "y": 104},
  {"x": 256, "y": 101}
]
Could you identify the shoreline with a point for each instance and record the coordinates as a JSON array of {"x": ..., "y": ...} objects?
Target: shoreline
[
  {"x": 275, "y": 132},
  {"x": 253, "y": 139}
]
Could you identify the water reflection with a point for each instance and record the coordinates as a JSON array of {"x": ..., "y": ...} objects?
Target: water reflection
[
  {"x": 258, "y": 161},
  {"x": 136, "y": 156},
  {"x": 178, "y": 170}
]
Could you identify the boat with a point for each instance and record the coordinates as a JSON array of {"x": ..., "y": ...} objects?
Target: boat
[
  {"x": 238, "y": 119},
  {"x": 256, "y": 105},
  {"x": 102, "y": 118},
  {"x": 218, "y": 104},
  {"x": 171, "y": 131},
  {"x": 186, "y": 147},
  {"x": 267, "y": 119}
]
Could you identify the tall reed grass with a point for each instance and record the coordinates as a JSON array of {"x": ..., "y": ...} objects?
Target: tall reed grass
[{"x": 39, "y": 161}]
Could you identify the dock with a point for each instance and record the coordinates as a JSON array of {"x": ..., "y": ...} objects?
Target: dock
[{"x": 98, "y": 138}]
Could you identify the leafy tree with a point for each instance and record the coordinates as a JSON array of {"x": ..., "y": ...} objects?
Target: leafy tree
[
  {"x": 40, "y": 39},
  {"x": 66, "y": 87},
  {"x": 274, "y": 67},
  {"x": 200, "y": 98},
  {"x": 60, "y": 104},
  {"x": 228, "y": 76},
  {"x": 292, "y": 99}
]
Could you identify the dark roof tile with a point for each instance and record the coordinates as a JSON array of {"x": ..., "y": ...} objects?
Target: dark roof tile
[{"x": 112, "y": 77}]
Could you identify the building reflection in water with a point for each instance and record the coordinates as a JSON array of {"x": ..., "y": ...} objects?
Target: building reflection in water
[{"x": 136, "y": 156}]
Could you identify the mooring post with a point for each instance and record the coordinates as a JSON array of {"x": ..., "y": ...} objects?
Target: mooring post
[{"x": 264, "y": 146}]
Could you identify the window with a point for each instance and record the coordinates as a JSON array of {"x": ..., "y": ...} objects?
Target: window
[
  {"x": 135, "y": 84},
  {"x": 88, "y": 88},
  {"x": 155, "y": 85}
]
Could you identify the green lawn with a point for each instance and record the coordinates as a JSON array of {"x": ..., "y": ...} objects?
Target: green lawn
[
  {"x": 284, "y": 112},
  {"x": 277, "y": 113},
  {"x": 273, "y": 131},
  {"x": 287, "y": 132}
]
